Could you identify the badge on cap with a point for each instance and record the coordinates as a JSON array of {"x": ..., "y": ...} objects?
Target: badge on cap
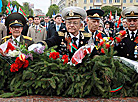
[
  {"x": 71, "y": 13},
  {"x": 16, "y": 21},
  {"x": 96, "y": 15},
  {"x": 132, "y": 13}
]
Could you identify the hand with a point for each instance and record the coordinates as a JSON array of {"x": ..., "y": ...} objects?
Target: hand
[
  {"x": 121, "y": 37},
  {"x": 33, "y": 46}
]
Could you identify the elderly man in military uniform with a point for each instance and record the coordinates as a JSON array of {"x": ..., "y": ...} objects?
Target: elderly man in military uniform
[
  {"x": 73, "y": 37},
  {"x": 15, "y": 23},
  {"x": 93, "y": 22},
  {"x": 3, "y": 31},
  {"x": 129, "y": 44}
]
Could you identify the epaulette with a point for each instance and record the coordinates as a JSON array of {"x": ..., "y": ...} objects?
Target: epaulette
[
  {"x": 60, "y": 33},
  {"x": 111, "y": 29},
  {"x": 101, "y": 32},
  {"x": 6, "y": 37},
  {"x": 26, "y": 37},
  {"x": 87, "y": 34}
]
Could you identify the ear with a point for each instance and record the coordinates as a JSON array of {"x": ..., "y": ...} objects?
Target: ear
[{"x": 10, "y": 28}]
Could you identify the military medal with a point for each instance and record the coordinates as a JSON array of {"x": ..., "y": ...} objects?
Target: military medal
[
  {"x": 81, "y": 42},
  {"x": 136, "y": 51},
  {"x": 136, "y": 48}
]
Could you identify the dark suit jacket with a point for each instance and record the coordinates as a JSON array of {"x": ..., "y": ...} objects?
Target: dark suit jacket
[
  {"x": 59, "y": 40},
  {"x": 25, "y": 29},
  {"x": 126, "y": 47},
  {"x": 52, "y": 30}
]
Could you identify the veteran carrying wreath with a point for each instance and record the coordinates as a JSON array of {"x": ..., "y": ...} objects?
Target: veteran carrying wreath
[{"x": 44, "y": 71}]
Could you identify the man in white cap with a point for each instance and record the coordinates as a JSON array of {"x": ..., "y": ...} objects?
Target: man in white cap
[
  {"x": 128, "y": 47},
  {"x": 72, "y": 38}
]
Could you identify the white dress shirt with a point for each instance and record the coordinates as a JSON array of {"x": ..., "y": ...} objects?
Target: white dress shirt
[{"x": 78, "y": 36}]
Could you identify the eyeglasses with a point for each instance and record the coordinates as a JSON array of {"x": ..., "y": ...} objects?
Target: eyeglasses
[
  {"x": 74, "y": 23},
  {"x": 100, "y": 26},
  {"x": 14, "y": 28}
]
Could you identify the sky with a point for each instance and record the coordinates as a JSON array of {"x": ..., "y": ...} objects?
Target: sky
[{"x": 38, "y": 4}]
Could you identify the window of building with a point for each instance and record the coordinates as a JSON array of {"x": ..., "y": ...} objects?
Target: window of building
[
  {"x": 98, "y": 1},
  {"x": 85, "y": 1},
  {"x": 104, "y": 1},
  {"x": 110, "y": 1},
  {"x": 117, "y": 1},
  {"x": 124, "y": 1},
  {"x": 131, "y": 1},
  {"x": 84, "y": 7},
  {"x": 91, "y": 1}
]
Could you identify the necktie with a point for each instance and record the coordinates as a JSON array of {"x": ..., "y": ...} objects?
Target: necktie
[
  {"x": 46, "y": 26},
  {"x": 74, "y": 40},
  {"x": 57, "y": 28},
  {"x": 92, "y": 35},
  {"x": 36, "y": 27},
  {"x": 132, "y": 36}
]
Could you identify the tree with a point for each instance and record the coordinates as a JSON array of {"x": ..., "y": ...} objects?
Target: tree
[
  {"x": 53, "y": 9},
  {"x": 4, "y": 3},
  {"x": 113, "y": 9}
]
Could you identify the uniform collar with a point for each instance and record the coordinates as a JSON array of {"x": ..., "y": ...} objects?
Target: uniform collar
[{"x": 71, "y": 35}]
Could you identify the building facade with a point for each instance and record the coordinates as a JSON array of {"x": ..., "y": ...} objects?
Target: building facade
[
  {"x": 89, "y": 4},
  {"x": 54, "y": 2}
]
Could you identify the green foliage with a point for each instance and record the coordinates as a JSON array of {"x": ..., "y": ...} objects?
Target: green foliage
[
  {"x": 113, "y": 9},
  {"x": 4, "y": 3},
  {"x": 45, "y": 76},
  {"x": 53, "y": 9}
]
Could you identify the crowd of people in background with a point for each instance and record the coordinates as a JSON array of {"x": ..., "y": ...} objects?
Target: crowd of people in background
[{"x": 74, "y": 20}]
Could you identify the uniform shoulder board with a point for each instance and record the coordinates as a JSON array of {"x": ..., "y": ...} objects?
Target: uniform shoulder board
[
  {"x": 60, "y": 33},
  {"x": 101, "y": 32},
  {"x": 111, "y": 29},
  {"x": 27, "y": 37},
  {"x": 87, "y": 34},
  {"x": 6, "y": 37}
]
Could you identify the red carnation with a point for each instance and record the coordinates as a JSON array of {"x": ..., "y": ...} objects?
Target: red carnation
[
  {"x": 65, "y": 57},
  {"x": 99, "y": 35},
  {"x": 111, "y": 39},
  {"x": 54, "y": 55},
  {"x": 14, "y": 67},
  {"x": 122, "y": 32},
  {"x": 102, "y": 50},
  {"x": 19, "y": 62},
  {"x": 107, "y": 45},
  {"x": 118, "y": 39},
  {"x": 26, "y": 63},
  {"x": 101, "y": 43}
]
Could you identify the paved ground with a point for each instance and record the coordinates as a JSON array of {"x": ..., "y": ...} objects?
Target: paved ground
[{"x": 62, "y": 99}]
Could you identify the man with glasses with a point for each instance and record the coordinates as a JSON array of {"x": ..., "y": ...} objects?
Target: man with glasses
[
  {"x": 15, "y": 23},
  {"x": 73, "y": 37},
  {"x": 128, "y": 47}
]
